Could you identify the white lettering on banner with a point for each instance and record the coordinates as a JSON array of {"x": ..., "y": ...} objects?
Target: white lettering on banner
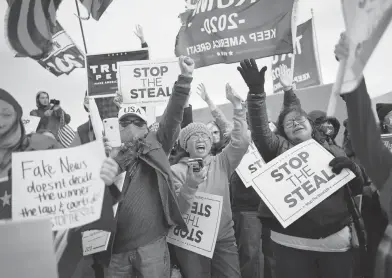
[
  {"x": 207, "y": 5},
  {"x": 298, "y": 180},
  {"x": 263, "y": 35},
  {"x": 203, "y": 220},
  {"x": 250, "y": 165},
  {"x": 63, "y": 185},
  {"x": 282, "y": 58},
  {"x": 147, "y": 81}
]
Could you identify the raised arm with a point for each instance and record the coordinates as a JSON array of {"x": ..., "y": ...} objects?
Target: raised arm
[
  {"x": 267, "y": 143},
  {"x": 169, "y": 126},
  {"x": 233, "y": 153}
]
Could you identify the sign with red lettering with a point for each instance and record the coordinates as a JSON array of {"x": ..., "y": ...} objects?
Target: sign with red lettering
[
  {"x": 203, "y": 220},
  {"x": 306, "y": 71},
  {"x": 147, "y": 82},
  {"x": 102, "y": 70},
  {"x": 250, "y": 165},
  {"x": 63, "y": 185},
  {"x": 229, "y": 31},
  {"x": 298, "y": 180}
]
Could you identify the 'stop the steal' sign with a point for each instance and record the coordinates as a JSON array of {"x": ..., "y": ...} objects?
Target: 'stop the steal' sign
[
  {"x": 228, "y": 31},
  {"x": 298, "y": 180},
  {"x": 147, "y": 82},
  {"x": 250, "y": 165},
  {"x": 203, "y": 220},
  {"x": 63, "y": 185}
]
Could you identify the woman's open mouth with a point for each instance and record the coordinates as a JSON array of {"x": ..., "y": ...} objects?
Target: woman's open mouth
[{"x": 200, "y": 147}]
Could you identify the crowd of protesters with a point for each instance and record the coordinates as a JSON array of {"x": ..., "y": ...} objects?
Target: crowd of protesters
[{"x": 334, "y": 239}]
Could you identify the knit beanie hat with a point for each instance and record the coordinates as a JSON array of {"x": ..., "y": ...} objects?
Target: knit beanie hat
[
  {"x": 7, "y": 97},
  {"x": 191, "y": 129},
  {"x": 382, "y": 110}
]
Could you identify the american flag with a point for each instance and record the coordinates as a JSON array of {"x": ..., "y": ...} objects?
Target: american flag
[{"x": 30, "y": 25}]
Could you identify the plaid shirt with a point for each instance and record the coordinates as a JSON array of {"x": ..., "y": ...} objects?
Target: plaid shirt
[
  {"x": 383, "y": 267},
  {"x": 106, "y": 107}
]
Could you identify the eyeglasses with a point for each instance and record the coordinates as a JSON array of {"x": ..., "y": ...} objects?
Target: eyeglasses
[
  {"x": 136, "y": 122},
  {"x": 203, "y": 136},
  {"x": 298, "y": 119}
]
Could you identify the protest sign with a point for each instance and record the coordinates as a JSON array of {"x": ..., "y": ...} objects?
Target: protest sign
[
  {"x": 306, "y": 71},
  {"x": 387, "y": 140},
  {"x": 147, "y": 82},
  {"x": 63, "y": 185},
  {"x": 27, "y": 249},
  {"x": 298, "y": 180},
  {"x": 203, "y": 220},
  {"x": 102, "y": 70},
  {"x": 250, "y": 166},
  {"x": 366, "y": 22},
  {"x": 230, "y": 31},
  {"x": 64, "y": 57},
  {"x": 30, "y": 123}
]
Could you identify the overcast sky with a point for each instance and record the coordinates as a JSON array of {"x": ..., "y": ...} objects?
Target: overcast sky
[{"x": 23, "y": 77}]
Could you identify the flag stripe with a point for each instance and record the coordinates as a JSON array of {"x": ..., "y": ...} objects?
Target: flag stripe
[
  {"x": 37, "y": 34},
  {"x": 40, "y": 21}
]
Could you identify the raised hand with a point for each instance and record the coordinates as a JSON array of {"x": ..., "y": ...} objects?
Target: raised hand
[
  {"x": 139, "y": 33},
  {"x": 286, "y": 77},
  {"x": 252, "y": 76},
  {"x": 187, "y": 65},
  {"x": 202, "y": 92},
  {"x": 342, "y": 48},
  {"x": 194, "y": 179},
  {"x": 232, "y": 96}
]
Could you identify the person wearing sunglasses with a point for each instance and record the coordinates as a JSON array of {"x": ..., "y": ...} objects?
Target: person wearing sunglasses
[
  {"x": 149, "y": 205},
  {"x": 319, "y": 243}
]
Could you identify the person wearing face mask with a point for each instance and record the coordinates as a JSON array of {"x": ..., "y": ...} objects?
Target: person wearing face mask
[
  {"x": 50, "y": 114},
  {"x": 384, "y": 113},
  {"x": 319, "y": 243},
  {"x": 213, "y": 178},
  {"x": 328, "y": 127}
]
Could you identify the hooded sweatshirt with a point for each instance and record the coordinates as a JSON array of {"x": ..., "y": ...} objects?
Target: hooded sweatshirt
[
  {"x": 51, "y": 123},
  {"x": 220, "y": 168}
]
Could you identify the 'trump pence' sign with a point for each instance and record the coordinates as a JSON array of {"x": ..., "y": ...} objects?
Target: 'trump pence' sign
[
  {"x": 63, "y": 185},
  {"x": 250, "y": 166},
  {"x": 298, "y": 180},
  {"x": 203, "y": 220},
  {"x": 147, "y": 82}
]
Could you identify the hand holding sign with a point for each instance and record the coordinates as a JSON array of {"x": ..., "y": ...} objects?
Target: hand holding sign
[
  {"x": 342, "y": 48},
  {"x": 187, "y": 65}
]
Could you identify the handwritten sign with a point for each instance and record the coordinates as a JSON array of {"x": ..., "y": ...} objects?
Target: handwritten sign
[
  {"x": 27, "y": 249},
  {"x": 366, "y": 22},
  {"x": 30, "y": 123},
  {"x": 147, "y": 81},
  {"x": 298, "y": 180},
  {"x": 203, "y": 220},
  {"x": 250, "y": 166},
  {"x": 63, "y": 185}
]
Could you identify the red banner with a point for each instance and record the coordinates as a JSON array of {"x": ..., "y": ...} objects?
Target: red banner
[
  {"x": 306, "y": 71},
  {"x": 229, "y": 31}
]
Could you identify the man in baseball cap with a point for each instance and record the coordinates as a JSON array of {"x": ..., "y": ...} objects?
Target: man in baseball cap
[{"x": 133, "y": 122}]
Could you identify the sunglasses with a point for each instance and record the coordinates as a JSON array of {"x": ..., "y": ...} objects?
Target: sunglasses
[
  {"x": 299, "y": 119},
  {"x": 136, "y": 122}
]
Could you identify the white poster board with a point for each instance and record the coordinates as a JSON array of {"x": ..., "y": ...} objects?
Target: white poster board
[
  {"x": 63, "y": 185},
  {"x": 30, "y": 123},
  {"x": 366, "y": 22},
  {"x": 250, "y": 166},
  {"x": 203, "y": 220},
  {"x": 147, "y": 82},
  {"x": 298, "y": 180},
  {"x": 27, "y": 249}
]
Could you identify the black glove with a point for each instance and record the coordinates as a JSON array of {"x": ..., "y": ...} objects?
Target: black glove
[
  {"x": 252, "y": 76},
  {"x": 343, "y": 162}
]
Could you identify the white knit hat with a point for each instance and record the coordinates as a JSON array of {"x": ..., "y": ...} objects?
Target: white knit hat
[{"x": 191, "y": 129}]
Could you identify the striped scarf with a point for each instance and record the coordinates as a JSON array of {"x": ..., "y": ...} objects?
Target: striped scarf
[
  {"x": 383, "y": 267},
  {"x": 30, "y": 26}
]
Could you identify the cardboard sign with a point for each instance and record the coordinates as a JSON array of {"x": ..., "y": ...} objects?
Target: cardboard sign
[
  {"x": 387, "y": 140},
  {"x": 306, "y": 71},
  {"x": 250, "y": 166},
  {"x": 27, "y": 249},
  {"x": 230, "y": 31},
  {"x": 203, "y": 220},
  {"x": 30, "y": 123},
  {"x": 147, "y": 82},
  {"x": 298, "y": 180},
  {"x": 366, "y": 22},
  {"x": 102, "y": 70},
  {"x": 63, "y": 185}
]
